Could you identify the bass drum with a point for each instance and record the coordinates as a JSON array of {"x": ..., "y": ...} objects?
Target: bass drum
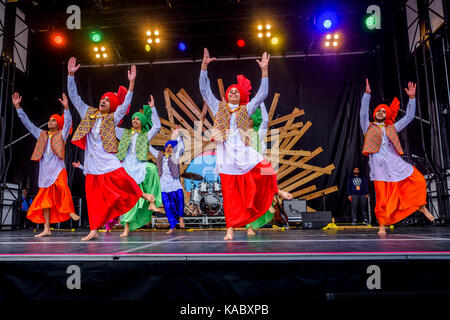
[{"x": 210, "y": 204}]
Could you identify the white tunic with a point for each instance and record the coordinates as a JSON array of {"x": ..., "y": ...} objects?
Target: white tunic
[
  {"x": 262, "y": 132},
  {"x": 387, "y": 164},
  {"x": 134, "y": 167},
  {"x": 233, "y": 156},
  {"x": 50, "y": 165},
  {"x": 169, "y": 183},
  {"x": 96, "y": 160}
]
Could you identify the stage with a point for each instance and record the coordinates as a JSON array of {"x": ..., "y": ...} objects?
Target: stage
[{"x": 197, "y": 265}]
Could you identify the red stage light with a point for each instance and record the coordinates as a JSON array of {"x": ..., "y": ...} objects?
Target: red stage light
[
  {"x": 240, "y": 43},
  {"x": 58, "y": 39}
]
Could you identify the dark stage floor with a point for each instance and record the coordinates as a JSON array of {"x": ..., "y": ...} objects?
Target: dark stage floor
[{"x": 293, "y": 244}]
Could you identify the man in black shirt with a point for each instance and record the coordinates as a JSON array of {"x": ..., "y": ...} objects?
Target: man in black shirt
[{"x": 358, "y": 192}]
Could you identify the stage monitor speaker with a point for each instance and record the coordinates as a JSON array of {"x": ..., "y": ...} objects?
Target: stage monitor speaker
[
  {"x": 294, "y": 207},
  {"x": 316, "y": 220}
]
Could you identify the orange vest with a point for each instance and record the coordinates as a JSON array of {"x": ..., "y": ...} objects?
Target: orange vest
[
  {"x": 57, "y": 143},
  {"x": 107, "y": 131},
  {"x": 374, "y": 136},
  {"x": 221, "y": 127}
]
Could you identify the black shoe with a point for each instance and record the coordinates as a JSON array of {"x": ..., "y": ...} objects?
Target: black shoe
[{"x": 366, "y": 222}]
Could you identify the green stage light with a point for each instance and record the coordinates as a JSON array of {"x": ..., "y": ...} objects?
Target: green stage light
[
  {"x": 370, "y": 22},
  {"x": 96, "y": 36}
]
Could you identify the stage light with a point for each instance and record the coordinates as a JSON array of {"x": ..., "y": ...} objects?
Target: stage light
[
  {"x": 102, "y": 48},
  {"x": 370, "y": 22},
  {"x": 274, "y": 40},
  {"x": 268, "y": 34},
  {"x": 147, "y": 47},
  {"x": 182, "y": 46},
  {"x": 331, "y": 40},
  {"x": 58, "y": 40},
  {"x": 156, "y": 33},
  {"x": 105, "y": 55},
  {"x": 268, "y": 27},
  {"x": 260, "y": 27},
  {"x": 95, "y": 49},
  {"x": 97, "y": 55},
  {"x": 327, "y": 21},
  {"x": 149, "y": 40},
  {"x": 240, "y": 43},
  {"x": 149, "y": 33},
  {"x": 157, "y": 40},
  {"x": 373, "y": 17},
  {"x": 96, "y": 36},
  {"x": 260, "y": 35}
]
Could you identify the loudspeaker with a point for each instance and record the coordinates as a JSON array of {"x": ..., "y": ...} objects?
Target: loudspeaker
[{"x": 316, "y": 220}]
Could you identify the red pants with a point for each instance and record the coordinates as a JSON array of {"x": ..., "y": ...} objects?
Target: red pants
[
  {"x": 109, "y": 196},
  {"x": 397, "y": 200},
  {"x": 247, "y": 197},
  {"x": 57, "y": 198}
]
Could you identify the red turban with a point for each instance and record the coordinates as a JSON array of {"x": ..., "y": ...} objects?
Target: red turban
[
  {"x": 60, "y": 121},
  {"x": 116, "y": 99},
  {"x": 244, "y": 86},
  {"x": 391, "y": 111}
]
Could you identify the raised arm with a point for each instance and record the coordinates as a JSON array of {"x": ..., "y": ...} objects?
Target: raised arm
[
  {"x": 67, "y": 117},
  {"x": 72, "y": 88},
  {"x": 35, "y": 131},
  {"x": 364, "y": 111},
  {"x": 262, "y": 132},
  {"x": 156, "y": 123},
  {"x": 122, "y": 109},
  {"x": 410, "y": 109},
  {"x": 263, "y": 88},
  {"x": 205, "y": 86}
]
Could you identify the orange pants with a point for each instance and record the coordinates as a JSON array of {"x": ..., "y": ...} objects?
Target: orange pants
[
  {"x": 57, "y": 198},
  {"x": 397, "y": 200}
]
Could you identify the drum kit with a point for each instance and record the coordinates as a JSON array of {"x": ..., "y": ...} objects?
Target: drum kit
[{"x": 206, "y": 196}]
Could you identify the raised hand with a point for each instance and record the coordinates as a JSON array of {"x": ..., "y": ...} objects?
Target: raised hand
[
  {"x": 264, "y": 63},
  {"x": 151, "y": 103},
  {"x": 367, "y": 86},
  {"x": 132, "y": 73},
  {"x": 411, "y": 91},
  {"x": 76, "y": 164},
  {"x": 206, "y": 59},
  {"x": 16, "y": 99},
  {"x": 64, "y": 101},
  {"x": 72, "y": 66}
]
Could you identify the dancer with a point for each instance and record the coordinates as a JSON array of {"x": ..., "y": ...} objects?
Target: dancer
[
  {"x": 53, "y": 203},
  {"x": 400, "y": 189},
  {"x": 110, "y": 191},
  {"x": 168, "y": 164},
  {"x": 243, "y": 171},
  {"x": 133, "y": 150}
]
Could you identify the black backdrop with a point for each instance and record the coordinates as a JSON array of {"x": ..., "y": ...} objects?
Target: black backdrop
[{"x": 328, "y": 88}]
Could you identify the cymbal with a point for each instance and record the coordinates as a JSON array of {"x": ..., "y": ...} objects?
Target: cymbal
[{"x": 192, "y": 176}]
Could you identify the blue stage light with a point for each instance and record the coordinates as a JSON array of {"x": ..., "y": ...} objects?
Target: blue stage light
[
  {"x": 327, "y": 21},
  {"x": 181, "y": 46}
]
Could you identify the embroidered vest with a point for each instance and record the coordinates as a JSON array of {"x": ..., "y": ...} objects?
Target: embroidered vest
[
  {"x": 57, "y": 143},
  {"x": 374, "y": 136},
  {"x": 107, "y": 131},
  {"x": 141, "y": 145},
  {"x": 221, "y": 127},
  {"x": 173, "y": 167}
]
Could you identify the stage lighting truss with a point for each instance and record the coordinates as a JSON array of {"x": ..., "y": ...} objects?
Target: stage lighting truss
[
  {"x": 153, "y": 37},
  {"x": 100, "y": 52},
  {"x": 332, "y": 40}
]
